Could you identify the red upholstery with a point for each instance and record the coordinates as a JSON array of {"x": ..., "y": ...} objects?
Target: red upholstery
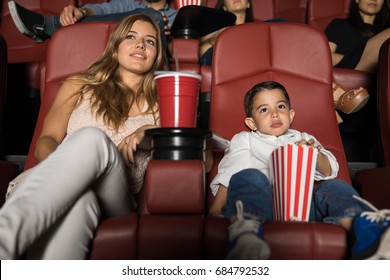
[
  {"x": 298, "y": 56},
  {"x": 291, "y": 10},
  {"x": 321, "y": 12},
  {"x": 375, "y": 183},
  {"x": 173, "y": 179},
  {"x": 115, "y": 238},
  {"x": 22, "y": 49},
  {"x": 81, "y": 55},
  {"x": 185, "y": 52},
  {"x": 170, "y": 221},
  {"x": 295, "y": 240}
]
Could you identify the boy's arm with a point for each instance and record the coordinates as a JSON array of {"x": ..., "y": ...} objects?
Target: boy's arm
[
  {"x": 219, "y": 201},
  {"x": 323, "y": 164}
]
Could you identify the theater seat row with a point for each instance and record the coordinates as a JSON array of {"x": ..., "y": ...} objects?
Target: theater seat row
[{"x": 172, "y": 221}]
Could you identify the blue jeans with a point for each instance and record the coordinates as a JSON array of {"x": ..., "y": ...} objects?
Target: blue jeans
[
  {"x": 331, "y": 200},
  {"x": 53, "y": 22}
]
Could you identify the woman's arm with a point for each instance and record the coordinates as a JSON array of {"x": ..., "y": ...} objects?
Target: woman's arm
[
  {"x": 56, "y": 121},
  {"x": 336, "y": 57},
  {"x": 129, "y": 144}
]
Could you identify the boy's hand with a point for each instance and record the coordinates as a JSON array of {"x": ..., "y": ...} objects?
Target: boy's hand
[{"x": 309, "y": 143}]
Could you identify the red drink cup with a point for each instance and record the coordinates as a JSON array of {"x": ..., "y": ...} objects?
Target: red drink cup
[
  {"x": 292, "y": 177},
  {"x": 178, "y": 98}
]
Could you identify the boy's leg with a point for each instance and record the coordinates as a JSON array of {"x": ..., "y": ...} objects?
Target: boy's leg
[
  {"x": 371, "y": 234},
  {"x": 334, "y": 200},
  {"x": 248, "y": 205}
]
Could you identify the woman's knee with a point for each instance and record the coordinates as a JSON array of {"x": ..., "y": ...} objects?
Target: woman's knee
[{"x": 90, "y": 136}]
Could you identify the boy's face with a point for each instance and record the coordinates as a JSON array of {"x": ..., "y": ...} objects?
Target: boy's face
[{"x": 271, "y": 114}]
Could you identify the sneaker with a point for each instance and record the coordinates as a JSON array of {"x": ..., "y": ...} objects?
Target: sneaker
[
  {"x": 28, "y": 23},
  {"x": 371, "y": 234},
  {"x": 246, "y": 238}
]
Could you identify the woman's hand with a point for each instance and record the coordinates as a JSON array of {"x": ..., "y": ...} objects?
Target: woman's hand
[{"x": 129, "y": 144}]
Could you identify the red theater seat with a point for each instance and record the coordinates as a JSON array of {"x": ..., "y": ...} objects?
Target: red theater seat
[
  {"x": 170, "y": 220},
  {"x": 298, "y": 56}
]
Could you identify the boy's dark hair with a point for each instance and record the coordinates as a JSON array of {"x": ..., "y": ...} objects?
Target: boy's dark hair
[{"x": 268, "y": 85}]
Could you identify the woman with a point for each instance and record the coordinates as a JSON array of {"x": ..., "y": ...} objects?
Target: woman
[
  {"x": 86, "y": 148},
  {"x": 355, "y": 41}
]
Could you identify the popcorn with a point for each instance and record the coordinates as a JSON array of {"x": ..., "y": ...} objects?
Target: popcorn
[{"x": 292, "y": 176}]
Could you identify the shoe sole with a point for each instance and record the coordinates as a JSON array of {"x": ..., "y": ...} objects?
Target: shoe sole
[
  {"x": 361, "y": 104},
  {"x": 383, "y": 252},
  {"x": 19, "y": 24}
]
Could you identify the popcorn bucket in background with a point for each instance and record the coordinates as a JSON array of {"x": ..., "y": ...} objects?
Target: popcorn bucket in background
[
  {"x": 178, "y": 98},
  {"x": 292, "y": 176},
  {"x": 182, "y": 3}
]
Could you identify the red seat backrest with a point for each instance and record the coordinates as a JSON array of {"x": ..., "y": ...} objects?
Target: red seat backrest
[
  {"x": 293, "y": 54},
  {"x": 321, "y": 12},
  {"x": 291, "y": 10},
  {"x": 64, "y": 59}
]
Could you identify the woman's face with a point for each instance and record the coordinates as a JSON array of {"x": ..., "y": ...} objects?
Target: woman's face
[
  {"x": 138, "y": 51},
  {"x": 236, "y": 5},
  {"x": 370, "y": 7}
]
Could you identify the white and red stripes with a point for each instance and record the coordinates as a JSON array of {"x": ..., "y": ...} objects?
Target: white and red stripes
[
  {"x": 182, "y": 3},
  {"x": 292, "y": 175}
]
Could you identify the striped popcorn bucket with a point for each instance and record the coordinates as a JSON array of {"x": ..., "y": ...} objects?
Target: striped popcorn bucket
[
  {"x": 292, "y": 177},
  {"x": 182, "y": 3}
]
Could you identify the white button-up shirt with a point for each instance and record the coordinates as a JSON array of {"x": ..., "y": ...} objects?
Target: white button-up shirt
[{"x": 253, "y": 150}]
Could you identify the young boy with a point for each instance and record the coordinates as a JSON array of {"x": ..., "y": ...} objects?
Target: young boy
[{"x": 243, "y": 191}]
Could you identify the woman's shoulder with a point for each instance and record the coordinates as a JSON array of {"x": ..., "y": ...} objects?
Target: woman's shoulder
[{"x": 338, "y": 23}]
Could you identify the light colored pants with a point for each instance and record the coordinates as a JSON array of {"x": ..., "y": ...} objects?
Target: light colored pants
[{"x": 54, "y": 211}]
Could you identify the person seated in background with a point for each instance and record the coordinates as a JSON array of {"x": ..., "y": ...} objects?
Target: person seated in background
[
  {"x": 243, "y": 11},
  {"x": 87, "y": 150},
  {"x": 347, "y": 101},
  {"x": 243, "y": 192},
  {"x": 40, "y": 28},
  {"x": 355, "y": 42}
]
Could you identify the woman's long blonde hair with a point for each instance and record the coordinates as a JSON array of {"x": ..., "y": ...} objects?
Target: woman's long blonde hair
[{"x": 102, "y": 80}]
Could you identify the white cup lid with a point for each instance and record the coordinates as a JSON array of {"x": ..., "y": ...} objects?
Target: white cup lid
[{"x": 160, "y": 74}]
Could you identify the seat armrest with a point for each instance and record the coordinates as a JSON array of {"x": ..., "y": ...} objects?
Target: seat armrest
[
  {"x": 374, "y": 185},
  {"x": 350, "y": 78}
]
